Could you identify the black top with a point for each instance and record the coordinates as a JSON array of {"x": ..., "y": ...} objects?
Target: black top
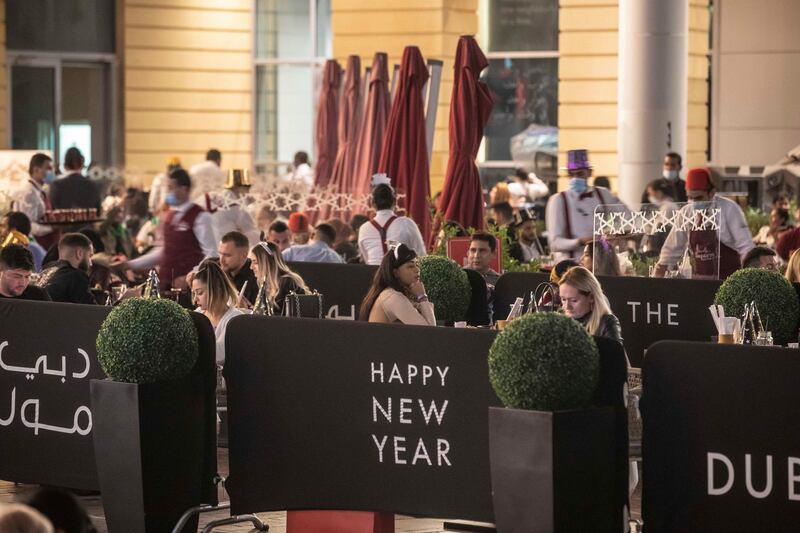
[
  {"x": 73, "y": 192},
  {"x": 246, "y": 274},
  {"x": 65, "y": 283},
  {"x": 31, "y": 292},
  {"x": 680, "y": 190}
]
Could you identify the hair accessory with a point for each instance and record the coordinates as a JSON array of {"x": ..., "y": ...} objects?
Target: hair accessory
[
  {"x": 394, "y": 247},
  {"x": 265, "y": 246},
  {"x": 605, "y": 244},
  {"x": 380, "y": 179}
]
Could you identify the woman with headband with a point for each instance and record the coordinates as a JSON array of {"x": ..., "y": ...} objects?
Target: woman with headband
[
  {"x": 215, "y": 296},
  {"x": 270, "y": 268},
  {"x": 397, "y": 294}
]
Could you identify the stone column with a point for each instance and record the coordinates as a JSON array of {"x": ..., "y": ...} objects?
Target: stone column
[{"x": 652, "y": 91}]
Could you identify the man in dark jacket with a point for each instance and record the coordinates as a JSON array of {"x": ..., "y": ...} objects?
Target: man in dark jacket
[
  {"x": 233, "y": 249},
  {"x": 16, "y": 265},
  {"x": 75, "y": 191},
  {"x": 68, "y": 280}
]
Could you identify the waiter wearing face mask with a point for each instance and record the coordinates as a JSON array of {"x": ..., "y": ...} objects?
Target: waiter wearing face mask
[
  {"x": 672, "y": 173},
  {"x": 708, "y": 247},
  {"x": 570, "y": 214},
  {"x": 34, "y": 201},
  {"x": 188, "y": 236}
]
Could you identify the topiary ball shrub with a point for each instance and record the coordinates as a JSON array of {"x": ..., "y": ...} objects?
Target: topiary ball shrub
[
  {"x": 147, "y": 340},
  {"x": 775, "y": 299},
  {"x": 447, "y": 286},
  {"x": 544, "y": 362}
]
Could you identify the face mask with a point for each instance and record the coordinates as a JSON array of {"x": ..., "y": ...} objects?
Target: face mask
[
  {"x": 170, "y": 199},
  {"x": 653, "y": 200},
  {"x": 578, "y": 185},
  {"x": 50, "y": 177},
  {"x": 671, "y": 175}
]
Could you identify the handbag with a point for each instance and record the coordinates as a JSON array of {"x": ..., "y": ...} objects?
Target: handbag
[{"x": 303, "y": 305}]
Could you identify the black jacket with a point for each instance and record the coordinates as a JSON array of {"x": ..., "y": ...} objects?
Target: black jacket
[
  {"x": 64, "y": 283},
  {"x": 246, "y": 274},
  {"x": 609, "y": 327},
  {"x": 74, "y": 192}
]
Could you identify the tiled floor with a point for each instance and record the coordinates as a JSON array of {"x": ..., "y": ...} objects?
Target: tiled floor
[{"x": 277, "y": 521}]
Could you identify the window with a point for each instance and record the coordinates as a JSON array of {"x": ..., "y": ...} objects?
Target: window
[
  {"x": 521, "y": 39},
  {"x": 62, "y": 77},
  {"x": 292, "y": 41},
  {"x": 62, "y": 26}
]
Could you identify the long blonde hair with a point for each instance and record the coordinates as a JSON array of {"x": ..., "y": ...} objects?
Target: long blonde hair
[
  {"x": 585, "y": 283},
  {"x": 793, "y": 267},
  {"x": 221, "y": 290},
  {"x": 272, "y": 267}
]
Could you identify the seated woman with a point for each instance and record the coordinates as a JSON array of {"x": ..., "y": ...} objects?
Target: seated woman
[
  {"x": 397, "y": 294},
  {"x": 599, "y": 257},
  {"x": 269, "y": 267},
  {"x": 793, "y": 267},
  {"x": 214, "y": 295},
  {"x": 582, "y": 299}
]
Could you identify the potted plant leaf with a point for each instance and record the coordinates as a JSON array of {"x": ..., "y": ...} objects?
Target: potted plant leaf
[
  {"x": 552, "y": 454},
  {"x": 151, "y": 423},
  {"x": 447, "y": 286},
  {"x": 775, "y": 298}
]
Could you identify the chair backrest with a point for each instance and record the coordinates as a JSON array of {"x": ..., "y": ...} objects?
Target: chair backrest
[
  {"x": 303, "y": 305},
  {"x": 478, "y": 312}
]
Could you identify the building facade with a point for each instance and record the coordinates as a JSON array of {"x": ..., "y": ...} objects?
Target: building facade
[{"x": 140, "y": 81}]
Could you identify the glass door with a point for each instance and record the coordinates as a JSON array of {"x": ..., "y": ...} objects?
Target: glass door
[
  {"x": 85, "y": 111},
  {"x": 33, "y": 104}
]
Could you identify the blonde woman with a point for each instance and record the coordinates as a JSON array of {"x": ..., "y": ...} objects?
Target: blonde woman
[
  {"x": 793, "y": 267},
  {"x": 269, "y": 267},
  {"x": 215, "y": 296},
  {"x": 583, "y": 299}
]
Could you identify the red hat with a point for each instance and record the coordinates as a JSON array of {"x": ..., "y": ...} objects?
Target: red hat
[
  {"x": 298, "y": 223},
  {"x": 699, "y": 179}
]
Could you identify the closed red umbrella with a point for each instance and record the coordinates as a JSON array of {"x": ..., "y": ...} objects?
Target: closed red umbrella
[
  {"x": 470, "y": 107},
  {"x": 349, "y": 125},
  {"x": 373, "y": 126},
  {"x": 327, "y": 121},
  {"x": 404, "y": 157}
]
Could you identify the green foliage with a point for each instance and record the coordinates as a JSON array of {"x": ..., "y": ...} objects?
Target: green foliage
[
  {"x": 642, "y": 263},
  {"x": 775, "y": 298},
  {"x": 448, "y": 232},
  {"x": 144, "y": 340},
  {"x": 756, "y": 218},
  {"x": 447, "y": 286},
  {"x": 544, "y": 362}
]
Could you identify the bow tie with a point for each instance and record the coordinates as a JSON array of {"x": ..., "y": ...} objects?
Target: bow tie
[{"x": 584, "y": 195}]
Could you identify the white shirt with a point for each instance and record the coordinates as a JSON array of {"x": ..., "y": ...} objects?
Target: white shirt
[
  {"x": 29, "y": 200},
  {"x": 521, "y": 193},
  {"x": 734, "y": 233},
  {"x": 219, "y": 332},
  {"x": 203, "y": 231},
  {"x": 303, "y": 174},
  {"x": 158, "y": 192},
  {"x": 228, "y": 215},
  {"x": 206, "y": 177},
  {"x": 581, "y": 217},
  {"x": 403, "y": 229}
]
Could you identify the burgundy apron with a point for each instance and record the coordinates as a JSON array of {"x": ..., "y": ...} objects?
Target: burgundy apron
[{"x": 703, "y": 245}]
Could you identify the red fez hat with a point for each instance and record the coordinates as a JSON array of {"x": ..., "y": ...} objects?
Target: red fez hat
[
  {"x": 298, "y": 223},
  {"x": 699, "y": 179}
]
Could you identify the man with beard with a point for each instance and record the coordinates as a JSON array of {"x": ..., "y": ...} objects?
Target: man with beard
[
  {"x": 68, "y": 280},
  {"x": 16, "y": 265},
  {"x": 233, "y": 249}
]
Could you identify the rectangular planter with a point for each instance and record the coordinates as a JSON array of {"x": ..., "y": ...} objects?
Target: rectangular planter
[
  {"x": 149, "y": 443},
  {"x": 553, "y": 471},
  {"x": 339, "y": 522}
]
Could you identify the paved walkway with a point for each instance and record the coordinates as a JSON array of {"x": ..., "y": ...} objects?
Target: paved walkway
[{"x": 10, "y": 492}]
